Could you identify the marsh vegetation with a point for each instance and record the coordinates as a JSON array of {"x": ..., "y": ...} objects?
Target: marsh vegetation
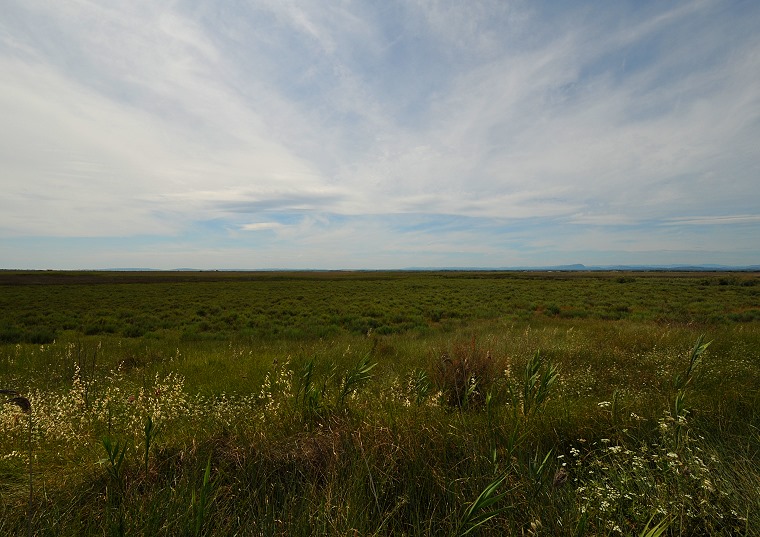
[{"x": 380, "y": 403}]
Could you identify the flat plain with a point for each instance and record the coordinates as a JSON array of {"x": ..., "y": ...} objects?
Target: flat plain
[{"x": 380, "y": 403}]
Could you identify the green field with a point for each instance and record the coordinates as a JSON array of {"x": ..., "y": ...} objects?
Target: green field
[{"x": 380, "y": 403}]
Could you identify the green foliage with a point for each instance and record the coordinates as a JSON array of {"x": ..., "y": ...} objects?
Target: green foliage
[
  {"x": 311, "y": 397},
  {"x": 357, "y": 376},
  {"x": 319, "y": 398},
  {"x": 656, "y": 530},
  {"x": 115, "y": 453},
  {"x": 420, "y": 384},
  {"x": 538, "y": 379},
  {"x": 483, "y": 509},
  {"x": 280, "y": 415},
  {"x": 151, "y": 431},
  {"x": 538, "y": 470},
  {"x": 201, "y": 501},
  {"x": 37, "y": 307},
  {"x": 695, "y": 357},
  {"x": 30, "y": 334}
]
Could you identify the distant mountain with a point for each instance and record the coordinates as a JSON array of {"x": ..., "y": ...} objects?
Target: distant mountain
[
  {"x": 143, "y": 269},
  {"x": 577, "y": 267},
  {"x": 127, "y": 269},
  {"x": 580, "y": 267},
  {"x": 679, "y": 268}
]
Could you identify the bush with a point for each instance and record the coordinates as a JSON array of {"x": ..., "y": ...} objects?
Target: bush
[
  {"x": 464, "y": 374},
  {"x": 40, "y": 335},
  {"x": 10, "y": 334},
  {"x": 37, "y": 334}
]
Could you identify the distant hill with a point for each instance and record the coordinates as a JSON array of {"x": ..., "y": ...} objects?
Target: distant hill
[
  {"x": 581, "y": 267},
  {"x": 539, "y": 268}
]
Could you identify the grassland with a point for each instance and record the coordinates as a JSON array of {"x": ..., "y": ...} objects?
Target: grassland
[{"x": 380, "y": 403}]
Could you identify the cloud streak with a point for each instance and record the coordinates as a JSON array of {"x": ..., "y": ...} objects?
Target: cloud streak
[{"x": 390, "y": 135}]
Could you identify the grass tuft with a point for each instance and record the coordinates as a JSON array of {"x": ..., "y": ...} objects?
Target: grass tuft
[{"x": 330, "y": 428}]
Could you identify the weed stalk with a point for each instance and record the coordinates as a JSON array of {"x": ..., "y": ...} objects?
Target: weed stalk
[
  {"x": 26, "y": 407},
  {"x": 480, "y": 511},
  {"x": 151, "y": 431}
]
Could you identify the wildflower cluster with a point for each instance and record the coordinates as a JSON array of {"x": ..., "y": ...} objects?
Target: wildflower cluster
[
  {"x": 113, "y": 403},
  {"x": 124, "y": 406},
  {"x": 276, "y": 388},
  {"x": 415, "y": 389},
  {"x": 619, "y": 487}
]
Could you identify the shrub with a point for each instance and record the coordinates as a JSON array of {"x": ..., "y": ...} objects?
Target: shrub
[
  {"x": 40, "y": 335},
  {"x": 10, "y": 334},
  {"x": 464, "y": 373}
]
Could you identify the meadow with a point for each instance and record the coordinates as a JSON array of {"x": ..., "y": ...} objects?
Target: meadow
[{"x": 379, "y": 403}]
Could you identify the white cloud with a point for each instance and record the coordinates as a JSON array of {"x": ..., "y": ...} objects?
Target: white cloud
[
  {"x": 81, "y": 162},
  {"x": 261, "y": 226},
  {"x": 602, "y": 220},
  {"x": 714, "y": 220},
  {"x": 292, "y": 117}
]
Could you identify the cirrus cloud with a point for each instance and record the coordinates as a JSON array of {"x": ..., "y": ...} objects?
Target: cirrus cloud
[{"x": 389, "y": 135}]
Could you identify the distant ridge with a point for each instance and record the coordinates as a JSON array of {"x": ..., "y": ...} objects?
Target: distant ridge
[
  {"x": 674, "y": 268},
  {"x": 577, "y": 267},
  {"x": 631, "y": 268},
  {"x": 127, "y": 269}
]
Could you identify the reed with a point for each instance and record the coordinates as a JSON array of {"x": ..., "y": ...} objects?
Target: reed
[
  {"x": 26, "y": 407},
  {"x": 539, "y": 424}
]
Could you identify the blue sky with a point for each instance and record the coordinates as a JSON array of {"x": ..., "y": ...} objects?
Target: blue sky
[{"x": 314, "y": 134}]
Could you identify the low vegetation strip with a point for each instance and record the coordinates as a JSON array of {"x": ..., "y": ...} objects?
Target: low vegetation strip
[
  {"x": 36, "y": 307},
  {"x": 519, "y": 423}
]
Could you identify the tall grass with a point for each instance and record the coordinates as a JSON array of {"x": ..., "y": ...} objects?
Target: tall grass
[
  {"x": 399, "y": 460},
  {"x": 547, "y": 426}
]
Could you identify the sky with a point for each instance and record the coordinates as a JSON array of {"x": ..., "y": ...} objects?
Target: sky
[{"x": 378, "y": 134}]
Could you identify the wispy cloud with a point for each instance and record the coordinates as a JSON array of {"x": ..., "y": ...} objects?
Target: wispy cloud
[
  {"x": 388, "y": 134},
  {"x": 714, "y": 220},
  {"x": 261, "y": 226}
]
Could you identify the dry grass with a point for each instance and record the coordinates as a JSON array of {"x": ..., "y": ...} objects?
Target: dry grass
[
  {"x": 403, "y": 448},
  {"x": 464, "y": 373}
]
